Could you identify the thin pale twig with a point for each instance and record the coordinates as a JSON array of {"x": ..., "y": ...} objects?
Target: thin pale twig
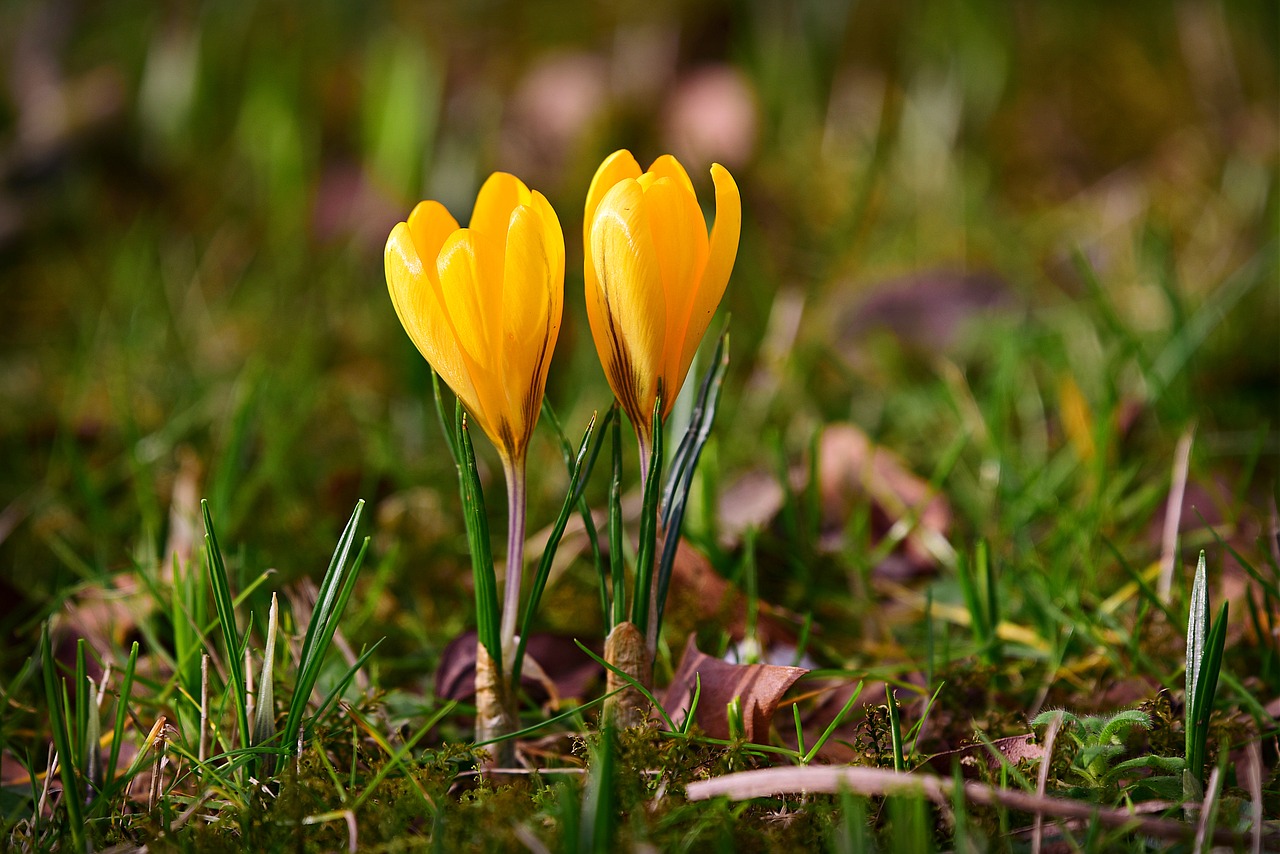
[
  {"x": 1207, "y": 809},
  {"x": 1042, "y": 779},
  {"x": 203, "y": 748},
  {"x": 765, "y": 782},
  {"x": 52, "y": 766},
  {"x": 529, "y": 840},
  {"x": 153, "y": 793},
  {"x": 346, "y": 815},
  {"x": 250, "y": 699},
  {"x": 1253, "y": 783},
  {"x": 1173, "y": 513}
]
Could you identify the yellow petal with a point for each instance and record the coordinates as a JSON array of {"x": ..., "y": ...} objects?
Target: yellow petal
[
  {"x": 498, "y": 197},
  {"x": 680, "y": 243},
  {"x": 430, "y": 224},
  {"x": 553, "y": 240},
  {"x": 474, "y": 308},
  {"x": 528, "y": 324},
  {"x": 722, "y": 252},
  {"x": 667, "y": 166},
  {"x": 632, "y": 307},
  {"x": 417, "y": 302},
  {"x": 490, "y": 219},
  {"x": 615, "y": 168}
]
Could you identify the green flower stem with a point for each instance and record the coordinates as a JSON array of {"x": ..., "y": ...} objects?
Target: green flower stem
[{"x": 516, "y": 499}]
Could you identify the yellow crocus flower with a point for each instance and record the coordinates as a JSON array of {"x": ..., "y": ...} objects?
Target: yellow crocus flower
[
  {"x": 483, "y": 306},
  {"x": 483, "y": 303},
  {"x": 653, "y": 277}
]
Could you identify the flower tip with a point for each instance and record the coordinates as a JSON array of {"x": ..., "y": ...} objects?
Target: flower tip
[{"x": 720, "y": 173}]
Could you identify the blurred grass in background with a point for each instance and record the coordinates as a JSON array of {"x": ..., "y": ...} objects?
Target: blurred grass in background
[{"x": 194, "y": 198}]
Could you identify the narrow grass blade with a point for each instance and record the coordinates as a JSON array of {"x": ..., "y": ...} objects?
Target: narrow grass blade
[
  {"x": 1147, "y": 592},
  {"x": 851, "y": 835},
  {"x": 92, "y": 738},
  {"x": 396, "y": 759},
  {"x": 331, "y": 601},
  {"x": 633, "y": 682},
  {"x": 584, "y": 511},
  {"x": 264, "y": 718},
  {"x": 62, "y": 741},
  {"x": 644, "y": 592},
  {"x": 450, "y": 439},
  {"x": 122, "y": 712},
  {"x": 549, "y": 552},
  {"x": 987, "y": 576},
  {"x": 80, "y": 728},
  {"x": 1180, "y": 347},
  {"x": 568, "y": 817},
  {"x": 188, "y": 614},
  {"x": 692, "y": 715},
  {"x": 341, "y": 684},
  {"x": 686, "y": 453},
  {"x": 227, "y": 620},
  {"x": 831, "y": 727},
  {"x": 477, "y": 524},
  {"x": 335, "y": 578},
  {"x": 599, "y": 811},
  {"x": 1197, "y": 631},
  {"x": 733, "y": 717},
  {"x": 895, "y": 730},
  {"x": 973, "y": 575},
  {"x": 1201, "y": 704},
  {"x": 684, "y": 464}
]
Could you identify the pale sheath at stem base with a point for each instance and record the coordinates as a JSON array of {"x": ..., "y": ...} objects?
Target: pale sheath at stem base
[
  {"x": 495, "y": 712},
  {"x": 626, "y": 650}
]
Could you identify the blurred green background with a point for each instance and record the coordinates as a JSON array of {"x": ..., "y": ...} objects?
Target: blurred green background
[{"x": 194, "y": 199}]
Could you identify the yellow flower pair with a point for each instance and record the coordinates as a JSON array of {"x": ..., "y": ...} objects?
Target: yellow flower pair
[{"x": 483, "y": 304}]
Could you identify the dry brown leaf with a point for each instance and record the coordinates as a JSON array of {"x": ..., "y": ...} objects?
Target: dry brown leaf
[
  {"x": 759, "y": 688},
  {"x": 852, "y": 469},
  {"x": 752, "y": 501}
]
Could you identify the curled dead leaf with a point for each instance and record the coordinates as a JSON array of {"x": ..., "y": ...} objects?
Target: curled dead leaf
[
  {"x": 759, "y": 688},
  {"x": 851, "y": 469}
]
